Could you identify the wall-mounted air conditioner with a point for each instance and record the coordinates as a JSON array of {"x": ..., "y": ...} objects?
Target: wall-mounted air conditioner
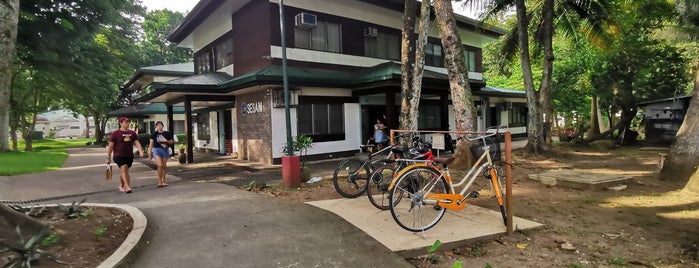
[
  {"x": 305, "y": 21},
  {"x": 371, "y": 32}
]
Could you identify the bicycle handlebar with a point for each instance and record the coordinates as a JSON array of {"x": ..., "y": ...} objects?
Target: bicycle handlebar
[{"x": 497, "y": 129}]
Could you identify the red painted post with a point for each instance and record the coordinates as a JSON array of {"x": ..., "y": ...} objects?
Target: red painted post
[{"x": 291, "y": 171}]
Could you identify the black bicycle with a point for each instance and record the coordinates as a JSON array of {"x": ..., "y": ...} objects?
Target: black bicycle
[{"x": 351, "y": 176}]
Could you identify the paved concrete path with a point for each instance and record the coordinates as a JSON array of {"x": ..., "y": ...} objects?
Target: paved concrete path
[{"x": 200, "y": 224}]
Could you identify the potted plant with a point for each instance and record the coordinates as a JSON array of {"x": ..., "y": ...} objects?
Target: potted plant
[{"x": 183, "y": 155}]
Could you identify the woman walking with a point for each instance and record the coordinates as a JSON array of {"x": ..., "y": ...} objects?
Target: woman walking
[
  {"x": 160, "y": 143},
  {"x": 121, "y": 143}
]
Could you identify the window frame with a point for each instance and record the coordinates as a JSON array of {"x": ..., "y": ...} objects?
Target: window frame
[
  {"x": 331, "y": 104},
  {"x": 309, "y": 44}
]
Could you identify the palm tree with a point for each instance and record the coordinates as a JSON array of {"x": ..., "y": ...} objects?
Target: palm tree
[
  {"x": 538, "y": 18},
  {"x": 411, "y": 84},
  {"x": 464, "y": 112}
]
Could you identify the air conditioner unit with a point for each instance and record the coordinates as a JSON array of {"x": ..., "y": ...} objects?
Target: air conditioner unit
[
  {"x": 305, "y": 21},
  {"x": 371, "y": 32}
]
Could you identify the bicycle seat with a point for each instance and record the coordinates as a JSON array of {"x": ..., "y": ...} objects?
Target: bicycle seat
[{"x": 444, "y": 160}]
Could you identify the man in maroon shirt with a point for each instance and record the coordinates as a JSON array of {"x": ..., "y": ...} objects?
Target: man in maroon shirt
[{"x": 121, "y": 144}]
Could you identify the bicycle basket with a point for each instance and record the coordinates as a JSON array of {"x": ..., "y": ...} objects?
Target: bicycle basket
[{"x": 495, "y": 153}]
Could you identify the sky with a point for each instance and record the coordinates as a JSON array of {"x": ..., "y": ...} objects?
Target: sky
[
  {"x": 175, "y": 5},
  {"x": 187, "y": 5}
]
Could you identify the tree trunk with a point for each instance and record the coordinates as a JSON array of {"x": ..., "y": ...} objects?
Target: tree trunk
[
  {"x": 462, "y": 100},
  {"x": 10, "y": 219},
  {"x": 535, "y": 122},
  {"x": 87, "y": 127},
  {"x": 683, "y": 158},
  {"x": 9, "y": 16},
  {"x": 419, "y": 64},
  {"x": 594, "y": 120},
  {"x": 545, "y": 86},
  {"x": 407, "y": 60},
  {"x": 100, "y": 126}
]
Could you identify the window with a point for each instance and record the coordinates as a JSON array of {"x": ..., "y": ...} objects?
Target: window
[
  {"x": 326, "y": 36},
  {"x": 429, "y": 116},
  {"x": 203, "y": 63},
  {"x": 384, "y": 46},
  {"x": 517, "y": 115},
  {"x": 433, "y": 55},
  {"x": 215, "y": 56},
  {"x": 203, "y": 127},
  {"x": 223, "y": 53},
  {"x": 321, "y": 122},
  {"x": 470, "y": 58}
]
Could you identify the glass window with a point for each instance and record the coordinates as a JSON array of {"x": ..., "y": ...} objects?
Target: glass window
[
  {"x": 203, "y": 63},
  {"x": 203, "y": 127},
  {"x": 433, "y": 55},
  {"x": 321, "y": 122},
  {"x": 470, "y": 58},
  {"x": 326, "y": 36},
  {"x": 429, "y": 117},
  {"x": 224, "y": 53},
  {"x": 517, "y": 115},
  {"x": 384, "y": 46}
]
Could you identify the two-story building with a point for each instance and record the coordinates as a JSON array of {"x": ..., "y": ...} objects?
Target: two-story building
[{"x": 343, "y": 70}]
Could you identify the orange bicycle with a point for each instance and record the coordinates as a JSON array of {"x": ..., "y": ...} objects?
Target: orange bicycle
[{"x": 427, "y": 192}]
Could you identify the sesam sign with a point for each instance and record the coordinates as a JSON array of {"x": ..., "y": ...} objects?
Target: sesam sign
[{"x": 251, "y": 108}]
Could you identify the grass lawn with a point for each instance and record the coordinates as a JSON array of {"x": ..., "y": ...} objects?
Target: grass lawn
[{"x": 48, "y": 154}]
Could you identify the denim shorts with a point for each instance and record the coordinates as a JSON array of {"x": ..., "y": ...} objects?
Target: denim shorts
[{"x": 161, "y": 152}]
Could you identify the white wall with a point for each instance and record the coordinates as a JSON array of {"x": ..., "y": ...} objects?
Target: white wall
[{"x": 352, "y": 132}]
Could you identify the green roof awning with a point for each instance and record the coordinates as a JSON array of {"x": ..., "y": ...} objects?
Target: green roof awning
[{"x": 142, "y": 110}]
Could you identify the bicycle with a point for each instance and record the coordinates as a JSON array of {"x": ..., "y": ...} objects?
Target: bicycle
[
  {"x": 381, "y": 178},
  {"x": 431, "y": 189},
  {"x": 351, "y": 176}
]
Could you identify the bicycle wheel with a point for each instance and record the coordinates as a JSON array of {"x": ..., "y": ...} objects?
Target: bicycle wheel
[
  {"x": 351, "y": 177},
  {"x": 498, "y": 191},
  {"x": 378, "y": 187},
  {"x": 417, "y": 213}
]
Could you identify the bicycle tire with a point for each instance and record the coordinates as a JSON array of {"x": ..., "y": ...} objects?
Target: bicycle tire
[
  {"x": 377, "y": 190},
  {"x": 414, "y": 214},
  {"x": 351, "y": 178}
]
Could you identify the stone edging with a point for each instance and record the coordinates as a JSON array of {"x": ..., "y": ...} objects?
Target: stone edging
[{"x": 139, "y": 227}]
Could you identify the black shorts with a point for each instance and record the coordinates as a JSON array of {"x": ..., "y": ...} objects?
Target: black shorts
[{"x": 120, "y": 161}]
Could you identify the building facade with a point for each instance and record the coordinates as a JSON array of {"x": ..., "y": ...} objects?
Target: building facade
[{"x": 343, "y": 73}]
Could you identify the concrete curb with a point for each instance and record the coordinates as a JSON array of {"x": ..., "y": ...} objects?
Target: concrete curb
[{"x": 131, "y": 241}]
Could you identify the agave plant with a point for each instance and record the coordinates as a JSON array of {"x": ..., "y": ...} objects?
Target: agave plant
[
  {"x": 27, "y": 251},
  {"x": 72, "y": 211}
]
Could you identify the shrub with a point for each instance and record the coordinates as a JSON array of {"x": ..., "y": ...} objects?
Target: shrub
[
  {"x": 181, "y": 138},
  {"x": 144, "y": 139}
]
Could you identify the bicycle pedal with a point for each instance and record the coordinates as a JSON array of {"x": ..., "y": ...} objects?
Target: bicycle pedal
[{"x": 474, "y": 194}]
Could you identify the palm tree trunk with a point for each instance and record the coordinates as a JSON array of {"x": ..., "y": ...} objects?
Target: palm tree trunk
[
  {"x": 462, "y": 100},
  {"x": 683, "y": 158},
  {"x": 407, "y": 59},
  {"x": 9, "y": 16},
  {"x": 9, "y": 219},
  {"x": 545, "y": 87},
  {"x": 594, "y": 120},
  {"x": 535, "y": 121},
  {"x": 419, "y": 67}
]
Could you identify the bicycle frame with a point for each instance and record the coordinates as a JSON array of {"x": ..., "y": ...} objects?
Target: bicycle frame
[{"x": 453, "y": 201}]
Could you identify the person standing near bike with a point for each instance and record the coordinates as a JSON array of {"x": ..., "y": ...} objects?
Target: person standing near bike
[{"x": 379, "y": 134}]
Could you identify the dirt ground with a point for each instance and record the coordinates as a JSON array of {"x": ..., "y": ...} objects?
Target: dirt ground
[
  {"x": 651, "y": 223},
  {"x": 85, "y": 241}
]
